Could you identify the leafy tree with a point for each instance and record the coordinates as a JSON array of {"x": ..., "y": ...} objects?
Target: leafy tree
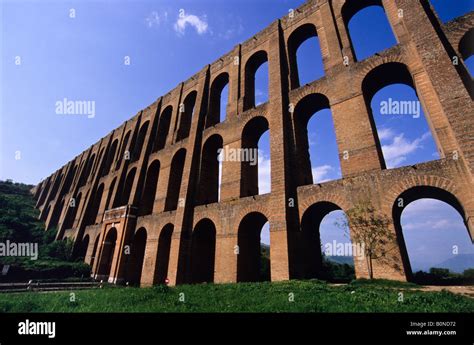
[{"x": 370, "y": 229}]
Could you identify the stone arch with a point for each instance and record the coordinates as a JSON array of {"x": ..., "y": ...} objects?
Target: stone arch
[
  {"x": 149, "y": 190},
  {"x": 110, "y": 193},
  {"x": 163, "y": 254},
  {"x": 186, "y": 115},
  {"x": 82, "y": 250},
  {"x": 163, "y": 128},
  {"x": 174, "y": 184},
  {"x": 138, "y": 147},
  {"x": 99, "y": 163},
  {"x": 334, "y": 198},
  {"x": 124, "y": 189},
  {"x": 56, "y": 214},
  {"x": 248, "y": 241},
  {"x": 135, "y": 259},
  {"x": 44, "y": 192},
  {"x": 303, "y": 112},
  {"x": 94, "y": 205},
  {"x": 110, "y": 157},
  {"x": 375, "y": 80},
  {"x": 251, "y": 67},
  {"x": 295, "y": 40},
  {"x": 68, "y": 180},
  {"x": 351, "y": 8},
  {"x": 54, "y": 190},
  {"x": 251, "y": 134},
  {"x": 203, "y": 252},
  {"x": 466, "y": 48},
  {"x": 127, "y": 188},
  {"x": 45, "y": 213},
  {"x": 209, "y": 171},
  {"x": 311, "y": 259},
  {"x": 214, "y": 115},
  {"x": 72, "y": 212},
  {"x": 86, "y": 172},
  {"x": 107, "y": 253},
  {"x": 410, "y": 195},
  {"x": 123, "y": 147},
  {"x": 94, "y": 250}
]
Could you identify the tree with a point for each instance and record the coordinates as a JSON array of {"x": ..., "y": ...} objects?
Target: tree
[{"x": 370, "y": 229}]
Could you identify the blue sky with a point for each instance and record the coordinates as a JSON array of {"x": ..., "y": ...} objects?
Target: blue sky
[{"x": 78, "y": 49}]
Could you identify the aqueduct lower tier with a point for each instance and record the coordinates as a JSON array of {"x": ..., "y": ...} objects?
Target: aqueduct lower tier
[{"x": 145, "y": 204}]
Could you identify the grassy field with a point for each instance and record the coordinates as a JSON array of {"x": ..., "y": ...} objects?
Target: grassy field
[{"x": 309, "y": 296}]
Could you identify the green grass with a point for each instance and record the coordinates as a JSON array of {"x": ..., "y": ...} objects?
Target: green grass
[{"x": 309, "y": 296}]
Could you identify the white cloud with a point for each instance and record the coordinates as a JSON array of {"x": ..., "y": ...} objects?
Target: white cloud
[
  {"x": 397, "y": 151},
  {"x": 264, "y": 173},
  {"x": 199, "y": 24},
  {"x": 423, "y": 205},
  {"x": 155, "y": 19},
  {"x": 321, "y": 173},
  {"x": 385, "y": 134},
  {"x": 232, "y": 31}
]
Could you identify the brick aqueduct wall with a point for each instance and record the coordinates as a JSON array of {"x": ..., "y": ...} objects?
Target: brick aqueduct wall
[{"x": 157, "y": 216}]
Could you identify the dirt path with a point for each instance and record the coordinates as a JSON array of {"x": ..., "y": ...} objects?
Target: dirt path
[{"x": 464, "y": 290}]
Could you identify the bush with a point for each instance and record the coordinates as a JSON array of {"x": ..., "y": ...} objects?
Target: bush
[{"x": 19, "y": 223}]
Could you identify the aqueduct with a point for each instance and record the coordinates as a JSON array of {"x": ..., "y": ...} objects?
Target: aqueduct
[{"x": 151, "y": 186}]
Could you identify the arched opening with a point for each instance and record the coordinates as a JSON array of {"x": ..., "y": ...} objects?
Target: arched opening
[
  {"x": 55, "y": 188},
  {"x": 304, "y": 52},
  {"x": 163, "y": 255},
  {"x": 186, "y": 111},
  {"x": 251, "y": 135},
  {"x": 56, "y": 214},
  {"x": 110, "y": 158},
  {"x": 94, "y": 206},
  {"x": 466, "y": 49},
  {"x": 138, "y": 147},
  {"x": 68, "y": 182},
  {"x": 99, "y": 163},
  {"x": 209, "y": 171},
  {"x": 174, "y": 184},
  {"x": 123, "y": 148},
  {"x": 71, "y": 213},
  {"x": 253, "y": 256},
  {"x": 44, "y": 193},
  {"x": 203, "y": 252},
  {"x": 136, "y": 256},
  {"x": 256, "y": 80},
  {"x": 87, "y": 170},
  {"x": 326, "y": 250},
  {"x": 218, "y": 100},
  {"x": 109, "y": 195},
  {"x": 432, "y": 231},
  {"x": 81, "y": 253},
  {"x": 163, "y": 128},
  {"x": 108, "y": 250},
  {"x": 403, "y": 134},
  {"x": 317, "y": 152},
  {"x": 94, "y": 250},
  {"x": 124, "y": 198},
  {"x": 149, "y": 191},
  {"x": 368, "y": 27},
  {"x": 44, "y": 214}
]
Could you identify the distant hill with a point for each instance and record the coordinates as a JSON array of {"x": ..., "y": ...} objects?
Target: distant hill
[
  {"x": 341, "y": 259},
  {"x": 457, "y": 264}
]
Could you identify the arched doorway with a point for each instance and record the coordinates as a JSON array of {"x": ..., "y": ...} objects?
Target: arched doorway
[
  {"x": 249, "y": 260},
  {"x": 203, "y": 251}
]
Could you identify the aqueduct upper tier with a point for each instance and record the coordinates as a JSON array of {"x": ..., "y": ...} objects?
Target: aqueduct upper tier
[{"x": 145, "y": 204}]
